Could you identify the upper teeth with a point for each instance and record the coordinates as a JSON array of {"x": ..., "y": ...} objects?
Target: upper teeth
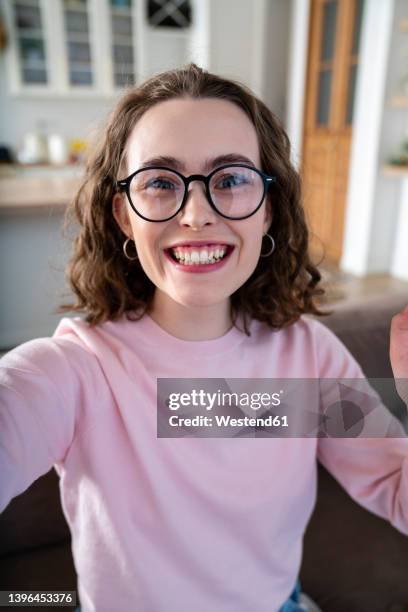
[{"x": 197, "y": 256}]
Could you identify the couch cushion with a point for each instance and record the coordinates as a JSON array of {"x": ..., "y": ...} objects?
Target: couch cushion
[
  {"x": 48, "y": 569},
  {"x": 34, "y": 518}
]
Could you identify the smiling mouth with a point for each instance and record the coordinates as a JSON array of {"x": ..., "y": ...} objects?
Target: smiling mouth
[{"x": 205, "y": 255}]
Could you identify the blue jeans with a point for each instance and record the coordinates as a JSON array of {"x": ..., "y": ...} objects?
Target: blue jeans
[{"x": 289, "y": 606}]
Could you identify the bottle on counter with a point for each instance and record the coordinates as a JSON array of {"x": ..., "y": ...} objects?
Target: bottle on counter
[
  {"x": 57, "y": 149},
  {"x": 35, "y": 146}
]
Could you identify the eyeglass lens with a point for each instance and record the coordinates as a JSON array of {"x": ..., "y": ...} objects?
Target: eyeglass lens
[{"x": 157, "y": 194}]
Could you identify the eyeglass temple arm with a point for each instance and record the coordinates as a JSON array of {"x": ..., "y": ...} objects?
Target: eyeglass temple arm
[{"x": 121, "y": 185}]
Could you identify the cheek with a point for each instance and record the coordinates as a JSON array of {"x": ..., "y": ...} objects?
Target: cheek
[
  {"x": 252, "y": 246},
  {"x": 146, "y": 241},
  {"x": 253, "y": 238}
]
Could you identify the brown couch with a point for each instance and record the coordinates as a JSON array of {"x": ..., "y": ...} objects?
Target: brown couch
[{"x": 353, "y": 561}]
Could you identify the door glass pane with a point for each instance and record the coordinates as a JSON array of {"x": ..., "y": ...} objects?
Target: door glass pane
[
  {"x": 350, "y": 94},
  {"x": 30, "y": 42},
  {"x": 357, "y": 26},
  {"x": 323, "y": 100},
  {"x": 329, "y": 30},
  {"x": 352, "y": 76},
  {"x": 78, "y": 43},
  {"x": 122, "y": 42}
]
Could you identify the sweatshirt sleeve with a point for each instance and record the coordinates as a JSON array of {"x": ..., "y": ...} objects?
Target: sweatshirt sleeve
[
  {"x": 373, "y": 470},
  {"x": 38, "y": 411}
]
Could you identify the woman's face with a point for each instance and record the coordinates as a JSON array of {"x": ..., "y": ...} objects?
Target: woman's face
[{"x": 194, "y": 131}]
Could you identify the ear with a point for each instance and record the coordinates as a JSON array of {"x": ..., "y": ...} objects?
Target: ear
[
  {"x": 120, "y": 213},
  {"x": 268, "y": 216}
]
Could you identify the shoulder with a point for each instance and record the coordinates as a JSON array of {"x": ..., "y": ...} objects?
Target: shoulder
[
  {"x": 313, "y": 346},
  {"x": 40, "y": 354},
  {"x": 61, "y": 358},
  {"x": 306, "y": 330},
  {"x": 335, "y": 360}
]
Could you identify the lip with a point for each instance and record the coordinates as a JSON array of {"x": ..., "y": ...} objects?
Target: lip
[
  {"x": 201, "y": 268},
  {"x": 198, "y": 243}
]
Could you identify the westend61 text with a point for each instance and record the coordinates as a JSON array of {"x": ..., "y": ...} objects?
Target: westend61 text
[{"x": 227, "y": 421}]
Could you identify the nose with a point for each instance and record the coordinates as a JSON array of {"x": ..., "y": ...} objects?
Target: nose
[{"x": 197, "y": 211}]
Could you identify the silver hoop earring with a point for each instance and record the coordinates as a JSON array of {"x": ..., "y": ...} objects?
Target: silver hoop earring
[
  {"x": 271, "y": 250},
  {"x": 125, "y": 252}
]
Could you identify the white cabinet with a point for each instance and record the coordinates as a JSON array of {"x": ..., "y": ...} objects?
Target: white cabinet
[{"x": 92, "y": 47}]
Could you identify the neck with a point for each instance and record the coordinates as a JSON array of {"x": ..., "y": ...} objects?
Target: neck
[{"x": 190, "y": 322}]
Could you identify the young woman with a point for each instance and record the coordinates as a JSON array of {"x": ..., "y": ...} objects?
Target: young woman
[{"x": 191, "y": 261}]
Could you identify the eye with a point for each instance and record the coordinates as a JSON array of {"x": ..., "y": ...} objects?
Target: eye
[
  {"x": 231, "y": 180},
  {"x": 158, "y": 183}
]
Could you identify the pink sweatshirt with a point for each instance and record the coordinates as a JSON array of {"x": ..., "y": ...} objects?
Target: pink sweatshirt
[{"x": 180, "y": 524}]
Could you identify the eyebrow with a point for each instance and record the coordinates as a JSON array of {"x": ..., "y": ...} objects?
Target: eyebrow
[{"x": 209, "y": 164}]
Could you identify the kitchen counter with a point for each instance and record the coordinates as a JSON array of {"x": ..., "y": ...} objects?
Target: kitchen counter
[{"x": 36, "y": 189}]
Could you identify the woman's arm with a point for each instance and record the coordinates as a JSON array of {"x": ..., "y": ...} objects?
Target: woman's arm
[
  {"x": 399, "y": 353},
  {"x": 39, "y": 391}
]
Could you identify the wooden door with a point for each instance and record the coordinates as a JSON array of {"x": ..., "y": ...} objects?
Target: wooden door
[{"x": 331, "y": 76}]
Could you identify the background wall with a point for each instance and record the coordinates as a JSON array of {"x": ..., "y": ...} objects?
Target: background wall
[{"x": 72, "y": 118}]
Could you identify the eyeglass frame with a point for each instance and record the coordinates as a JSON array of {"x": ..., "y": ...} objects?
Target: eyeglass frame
[{"x": 124, "y": 186}]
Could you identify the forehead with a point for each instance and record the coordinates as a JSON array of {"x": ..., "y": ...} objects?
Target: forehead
[{"x": 192, "y": 131}]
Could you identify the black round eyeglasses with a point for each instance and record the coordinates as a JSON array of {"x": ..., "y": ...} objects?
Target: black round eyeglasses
[{"x": 234, "y": 191}]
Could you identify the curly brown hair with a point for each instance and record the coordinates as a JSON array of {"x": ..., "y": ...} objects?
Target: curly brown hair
[{"x": 107, "y": 285}]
